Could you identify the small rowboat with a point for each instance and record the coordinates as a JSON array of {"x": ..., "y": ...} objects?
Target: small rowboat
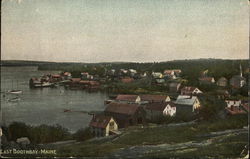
[{"x": 15, "y": 91}]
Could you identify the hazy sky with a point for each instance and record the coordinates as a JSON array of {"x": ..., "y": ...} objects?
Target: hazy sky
[{"x": 124, "y": 30}]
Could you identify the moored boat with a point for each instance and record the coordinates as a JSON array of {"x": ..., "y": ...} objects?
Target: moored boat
[
  {"x": 14, "y": 91},
  {"x": 35, "y": 83}
]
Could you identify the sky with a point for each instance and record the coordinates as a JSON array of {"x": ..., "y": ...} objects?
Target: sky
[{"x": 124, "y": 30}]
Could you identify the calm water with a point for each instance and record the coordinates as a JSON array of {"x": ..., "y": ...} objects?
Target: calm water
[{"x": 46, "y": 105}]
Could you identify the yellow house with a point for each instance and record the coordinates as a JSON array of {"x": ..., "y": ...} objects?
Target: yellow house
[{"x": 102, "y": 125}]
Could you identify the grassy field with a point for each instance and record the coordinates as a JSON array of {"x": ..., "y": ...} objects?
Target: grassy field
[{"x": 225, "y": 146}]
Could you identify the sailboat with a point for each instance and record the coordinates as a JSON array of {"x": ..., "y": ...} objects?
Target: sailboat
[{"x": 14, "y": 91}]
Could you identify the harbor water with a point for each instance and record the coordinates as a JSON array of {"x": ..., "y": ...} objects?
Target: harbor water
[{"x": 46, "y": 105}]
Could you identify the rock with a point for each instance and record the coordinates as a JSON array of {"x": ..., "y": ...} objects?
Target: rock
[{"x": 23, "y": 141}]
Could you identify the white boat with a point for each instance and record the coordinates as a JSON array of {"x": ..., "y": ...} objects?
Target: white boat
[
  {"x": 43, "y": 84},
  {"x": 15, "y": 91},
  {"x": 37, "y": 83}
]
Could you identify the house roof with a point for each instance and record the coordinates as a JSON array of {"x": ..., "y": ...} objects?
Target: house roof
[
  {"x": 222, "y": 79},
  {"x": 170, "y": 71},
  {"x": 84, "y": 82},
  {"x": 56, "y": 76},
  {"x": 75, "y": 79},
  {"x": 185, "y": 100},
  {"x": 238, "y": 77},
  {"x": 221, "y": 91},
  {"x": 127, "y": 80},
  {"x": 100, "y": 121},
  {"x": 94, "y": 83},
  {"x": 159, "y": 106},
  {"x": 121, "y": 108},
  {"x": 84, "y": 73},
  {"x": 127, "y": 97},
  {"x": 66, "y": 73},
  {"x": 155, "y": 98},
  {"x": 189, "y": 89},
  {"x": 235, "y": 110},
  {"x": 156, "y": 73},
  {"x": 207, "y": 79},
  {"x": 231, "y": 100}
]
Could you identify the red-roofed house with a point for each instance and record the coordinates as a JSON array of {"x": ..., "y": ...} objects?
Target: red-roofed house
[
  {"x": 55, "y": 78},
  {"x": 234, "y": 103},
  {"x": 235, "y": 107},
  {"x": 66, "y": 75},
  {"x": 190, "y": 91},
  {"x": 172, "y": 73},
  {"x": 127, "y": 80},
  {"x": 101, "y": 125},
  {"x": 154, "y": 98},
  {"x": 126, "y": 114},
  {"x": 127, "y": 98},
  {"x": 75, "y": 80},
  {"x": 158, "y": 110},
  {"x": 235, "y": 110},
  {"x": 89, "y": 84}
]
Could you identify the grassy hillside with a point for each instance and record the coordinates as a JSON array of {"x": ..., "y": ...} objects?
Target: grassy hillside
[{"x": 194, "y": 140}]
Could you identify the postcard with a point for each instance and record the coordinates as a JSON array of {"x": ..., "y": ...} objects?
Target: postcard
[{"x": 124, "y": 79}]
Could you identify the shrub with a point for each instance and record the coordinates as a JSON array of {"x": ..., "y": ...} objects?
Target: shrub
[
  {"x": 38, "y": 134},
  {"x": 17, "y": 130},
  {"x": 83, "y": 134}
]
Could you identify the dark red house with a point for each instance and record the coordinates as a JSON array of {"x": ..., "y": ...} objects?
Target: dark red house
[{"x": 126, "y": 114}]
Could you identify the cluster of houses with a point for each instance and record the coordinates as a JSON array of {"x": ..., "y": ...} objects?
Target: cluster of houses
[
  {"x": 85, "y": 81},
  {"x": 129, "y": 110},
  {"x": 129, "y": 75},
  {"x": 124, "y": 75},
  {"x": 236, "y": 81},
  {"x": 49, "y": 80},
  {"x": 161, "y": 78},
  {"x": 235, "y": 107}
]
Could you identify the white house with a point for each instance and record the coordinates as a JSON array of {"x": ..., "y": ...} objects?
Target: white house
[
  {"x": 157, "y": 75},
  {"x": 234, "y": 103},
  {"x": 169, "y": 110}
]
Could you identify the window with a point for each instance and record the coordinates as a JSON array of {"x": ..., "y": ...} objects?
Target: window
[{"x": 111, "y": 125}]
